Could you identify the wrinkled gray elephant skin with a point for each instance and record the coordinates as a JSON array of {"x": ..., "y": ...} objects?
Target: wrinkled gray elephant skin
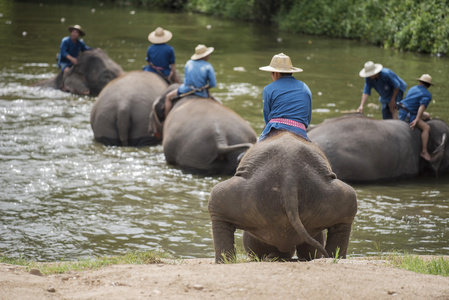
[
  {"x": 361, "y": 149},
  {"x": 283, "y": 195},
  {"x": 120, "y": 115},
  {"x": 202, "y": 136},
  {"x": 95, "y": 69}
]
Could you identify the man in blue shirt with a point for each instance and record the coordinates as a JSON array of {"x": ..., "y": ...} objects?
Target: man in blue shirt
[
  {"x": 287, "y": 102},
  {"x": 70, "y": 48},
  {"x": 413, "y": 107},
  {"x": 199, "y": 77},
  {"x": 390, "y": 87},
  {"x": 161, "y": 56}
]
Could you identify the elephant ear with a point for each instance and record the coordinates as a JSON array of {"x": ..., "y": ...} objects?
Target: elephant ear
[{"x": 437, "y": 156}]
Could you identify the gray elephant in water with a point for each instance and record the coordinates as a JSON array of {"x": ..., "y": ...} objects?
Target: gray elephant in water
[
  {"x": 283, "y": 195},
  {"x": 120, "y": 116},
  {"x": 95, "y": 69},
  {"x": 361, "y": 149},
  {"x": 202, "y": 136}
]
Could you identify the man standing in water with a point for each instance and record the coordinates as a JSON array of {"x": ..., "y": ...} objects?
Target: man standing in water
[
  {"x": 70, "y": 48},
  {"x": 390, "y": 87},
  {"x": 287, "y": 102}
]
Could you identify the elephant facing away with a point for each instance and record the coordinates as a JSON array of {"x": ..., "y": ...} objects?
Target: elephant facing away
[
  {"x": 120, "y": 115},
  {"x": 361, "y": 149},
  {"x": 283, "y": 196},
  {"x": 95, "y": 69},
  {"x": 202, "y": 136}
]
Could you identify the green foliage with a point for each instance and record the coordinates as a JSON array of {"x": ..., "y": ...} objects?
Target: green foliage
[
  {"x": 413, "y": 25},
  {"x": 133, "y": 257},
  {"x": 336, "y": 256},
  {"x": 435, "y": 266}
]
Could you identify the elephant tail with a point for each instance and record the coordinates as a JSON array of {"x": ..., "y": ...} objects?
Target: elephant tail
[
  {"x": 438, "y": 154},
  {"x": 123, "y": 124},
  {"x": 222, "y": 144},
  {"x": 290, "y": 197}
]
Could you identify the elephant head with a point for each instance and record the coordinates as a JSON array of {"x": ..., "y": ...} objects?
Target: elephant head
[
  {"x": 94, "y": 70},
  {"x": 157, "y": 115}
]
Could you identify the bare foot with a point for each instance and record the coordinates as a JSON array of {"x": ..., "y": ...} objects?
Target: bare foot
[{"x": 425, "y": 155}]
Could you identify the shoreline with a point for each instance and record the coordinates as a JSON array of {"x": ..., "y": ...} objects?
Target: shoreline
[{"x": 353, "y": 278}]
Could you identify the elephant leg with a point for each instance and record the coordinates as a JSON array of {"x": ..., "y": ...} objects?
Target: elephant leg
[
  {"x": 223, "y": 235},
  {"x": 338, "y": 237},
  {"x": 308, "y": 252},
  {"x": 257, "y": 249}
]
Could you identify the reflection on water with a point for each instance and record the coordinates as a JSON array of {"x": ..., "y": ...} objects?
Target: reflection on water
[{"x": 65, "y": 196}]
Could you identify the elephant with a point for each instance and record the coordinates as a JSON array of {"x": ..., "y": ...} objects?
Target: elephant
[
  {"x": 120, "y": 115},
  {"x": 202, "y": 136},
  {"x": 94, "y": 70},
  {"x": 283, "y": 196},
  {"x": 366, "y": 150}
]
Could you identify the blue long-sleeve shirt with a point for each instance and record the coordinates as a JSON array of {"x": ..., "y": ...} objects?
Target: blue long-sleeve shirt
[
  {"x": 198, "y": 73},
  {"x": 162, "y": 56},
  {"x": 385, "y": 85},
  {"x": 287, "y": 98},
  {"x": 417, "y": 95},
  {"x": 69, "y": 47}
]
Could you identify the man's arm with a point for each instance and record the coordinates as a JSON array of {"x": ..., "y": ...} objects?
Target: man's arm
[
  {"x": 421, "y": 110},
  {"x": 362, "y": 103},
  {"x": 392, "y": 104}
]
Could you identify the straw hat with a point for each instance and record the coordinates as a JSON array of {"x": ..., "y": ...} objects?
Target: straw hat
[
  {"x": 77, "y": 27},
  {"x": 281, "y": 63},
  {"x": 202, "y": 51},
  {"x": 370, "y": 69},
  {"x": 160, "y": 36},
  {"x": 425, "y": 78}
]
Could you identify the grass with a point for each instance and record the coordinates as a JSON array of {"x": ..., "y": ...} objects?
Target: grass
[
  {"x": 409, "y": 262},
  {"x": 133, "y": 257},
  {"x": 432, "y": 266},
  {"x": 414, "y": 263}
]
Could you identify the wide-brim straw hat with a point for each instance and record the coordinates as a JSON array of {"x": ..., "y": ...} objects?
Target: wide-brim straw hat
[
  {"x": 425, "y": 78},
  {"x": 370, "y": 69},
  {"x": 281, "y": 63},
  {"x": 202, "y": 51},
  {"x": 160, "y": 36},
  {"x": 77, "y": 27}
]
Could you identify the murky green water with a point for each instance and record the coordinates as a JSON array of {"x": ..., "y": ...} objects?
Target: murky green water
[{"x": 65, "y": 196}]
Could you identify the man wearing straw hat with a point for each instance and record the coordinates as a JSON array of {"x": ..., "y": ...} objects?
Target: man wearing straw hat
[
  {"x": 199, "y": 77},
  {"x": 390, "y": 87},
  {"x": 70, "y": 48},
  {"x": 413, "y": 108},
  {"x": 161, "y": 56},
  {"x": 287, "y": 102}
]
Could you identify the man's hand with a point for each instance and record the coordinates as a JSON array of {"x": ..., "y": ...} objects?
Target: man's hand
[
  {"x": 392, "y": 106},
  {"x": 413, "y": 124}
]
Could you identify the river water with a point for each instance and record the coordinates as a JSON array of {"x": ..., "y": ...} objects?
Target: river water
[{"x": 63, "y": 196}]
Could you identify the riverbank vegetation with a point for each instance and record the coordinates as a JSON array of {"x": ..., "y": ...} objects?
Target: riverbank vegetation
[
  {"x": 432, "y": 266},
  {"x": 406, "y": 25}
]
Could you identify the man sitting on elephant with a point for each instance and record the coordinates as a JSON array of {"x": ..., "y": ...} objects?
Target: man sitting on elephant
[
  {"x": 413, "y": 107},
  {"x": 390, "y": 87},
  {"x": 161, "y": 56},
  {"x": 199, "y": 77},
  {"x": 287, "y": 101},
  {"x": 70, "y": 48}
]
